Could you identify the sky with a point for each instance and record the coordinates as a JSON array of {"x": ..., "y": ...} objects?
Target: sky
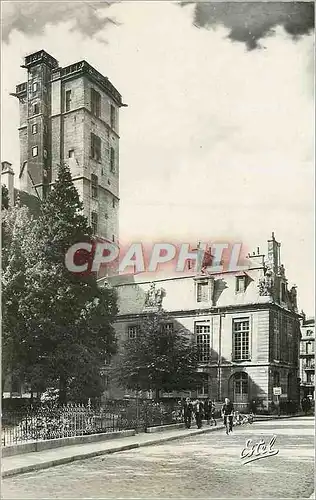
[{"x": 217, "y": 139}]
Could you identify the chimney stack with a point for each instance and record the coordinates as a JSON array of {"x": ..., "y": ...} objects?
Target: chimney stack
[{"x": 7, "y": 179}]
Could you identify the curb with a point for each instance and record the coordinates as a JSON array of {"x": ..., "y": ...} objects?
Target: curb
[{"x": 84, "y": 456}]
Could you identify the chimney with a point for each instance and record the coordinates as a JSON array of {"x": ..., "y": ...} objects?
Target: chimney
[{"x": 7, "y": 179}]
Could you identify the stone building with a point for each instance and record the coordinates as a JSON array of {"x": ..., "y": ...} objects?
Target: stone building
[
  {"x": 307, "y": 358},
  {"x": 246, "y": 326},
  {"x": 71, "y": 115}
]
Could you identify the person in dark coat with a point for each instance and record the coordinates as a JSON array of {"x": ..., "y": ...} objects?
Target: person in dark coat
[
  {"x": 198, "y": 412},
  {"x": 228, "y": 413},
  {"x": 187, "y": 412},
  {"x": 209, "y": 411}
]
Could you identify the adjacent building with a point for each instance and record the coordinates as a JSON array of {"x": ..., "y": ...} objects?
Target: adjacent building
[
  {"x": 71, "y": 115},
  {"x": 307, "y": 358},
  {"x": 246, "y": 325}
]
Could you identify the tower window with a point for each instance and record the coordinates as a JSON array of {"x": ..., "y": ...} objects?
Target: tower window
[
  {"x": 71, "y": 153},
  {"x": 35, "y": 87},
  {"x": 68, "y": 99},
  {"x": 34, "y": 151},
  {"x": 34, "y": 129},
  {"x": 94, "y": 185},
  {"x": 35, "y": 109},
  {"x": 112, "y": 160},
  {"x": 95, "y": 103},
  {"x": 95, "y": 147},
  {"x": 113, "y": 116},
  {"x": 94, "y": 222}
]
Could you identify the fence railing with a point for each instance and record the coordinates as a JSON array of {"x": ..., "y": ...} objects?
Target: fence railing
[{"x": 53, "y": 422}]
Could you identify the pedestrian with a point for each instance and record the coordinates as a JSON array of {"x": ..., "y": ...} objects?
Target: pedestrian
[
  {"x": 187, "y": 412},
  {"x": 210, "y": 411},
  {"x": 228, "y": 413},
  {"x": 207, "y": 413},
  {"x": 198, "y": 412}
]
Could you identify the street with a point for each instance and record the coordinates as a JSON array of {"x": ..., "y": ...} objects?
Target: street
[{"x": 203, "y": 466}]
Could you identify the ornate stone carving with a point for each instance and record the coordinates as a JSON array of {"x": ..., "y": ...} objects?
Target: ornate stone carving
[
  {"x": 293, "y": 297},
  {"x": 266, "y": 284},
  {"x": 154, "y": 297}
]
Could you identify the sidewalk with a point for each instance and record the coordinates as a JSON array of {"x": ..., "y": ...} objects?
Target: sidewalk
[{"x": 19, "y": 464}]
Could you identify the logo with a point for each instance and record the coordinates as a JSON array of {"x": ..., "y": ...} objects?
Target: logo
[{"x": 255, "y": 451}]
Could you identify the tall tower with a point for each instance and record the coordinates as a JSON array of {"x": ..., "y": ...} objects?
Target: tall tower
[{"x": 71, "y": 115}]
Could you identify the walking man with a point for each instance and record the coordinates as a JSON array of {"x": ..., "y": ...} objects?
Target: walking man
[
  {"x": 228, "y": 413},
  {"x": 187, "y": 412},
  {"x": 198, "y": 411}
]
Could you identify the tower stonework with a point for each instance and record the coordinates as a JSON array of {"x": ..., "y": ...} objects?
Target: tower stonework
[{"x": 71, "y": 115}]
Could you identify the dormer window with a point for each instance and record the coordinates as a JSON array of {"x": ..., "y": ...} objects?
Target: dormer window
[
  {"x": 240, "y": 284},
  {"x": 202, "y": 291}
]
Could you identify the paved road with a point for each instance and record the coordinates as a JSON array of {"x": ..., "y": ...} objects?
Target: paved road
[{"x": 202, "y": 466}]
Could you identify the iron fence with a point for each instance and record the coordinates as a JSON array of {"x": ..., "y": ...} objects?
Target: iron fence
[{"x": 53, "y": 422}]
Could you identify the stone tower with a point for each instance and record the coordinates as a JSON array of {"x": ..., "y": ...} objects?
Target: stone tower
[{"x": 71, "y": 115}]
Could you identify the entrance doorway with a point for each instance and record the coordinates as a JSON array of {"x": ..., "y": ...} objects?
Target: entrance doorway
[{"x": 240, "y": 390}]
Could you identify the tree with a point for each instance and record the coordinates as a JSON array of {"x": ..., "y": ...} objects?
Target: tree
[
  {"x": 4, "y": 197},
  {"x": 67, "y": 317},
  {"x": 158, "y": 358},
  {"x": 17, "y": 238}
]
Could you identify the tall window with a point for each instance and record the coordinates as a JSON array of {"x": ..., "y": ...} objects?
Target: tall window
[
  {"x": 112, "y": 160},
  {"x": 283, "y": 292},
  {"x": 71, "y": 153},
  {"x": 34, "y": 129},
  {"x": 202, "y": 291},
  {"x": 276, "y": 379},
  {"x": 94, "y": 222},
  {"x": 309, "y": 347},
  {"x": 95, "y": 147},
  {"x": 113, "y": 116},
  {"x": 276, "y": 339},
  {"x": 202, "y": 332},
  {"x": 241, "y": 339},
  {"x": 132, "y": 332},
  {"x": 95, "y": 103},
  {"x": 35, "y": 151},
  {"x": 94, "y": 185},
  {"x": 240, "y": 284},
  {"x": 203, "y": 387},
  {"x": 35, "y": 109},
  {"x": 68, "y": 100},
  {"x": 35, "y": 87}
]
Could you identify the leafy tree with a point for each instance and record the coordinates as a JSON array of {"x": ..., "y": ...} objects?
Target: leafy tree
[
  {"x": 17, "y": 238},
  {"x": 4, "y": 197},
  {"x": 67, "y": 317},
  {"x": 158, "y": 359}
]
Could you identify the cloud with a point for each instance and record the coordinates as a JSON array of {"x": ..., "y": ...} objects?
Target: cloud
[
  {"x": 216, "y": 141},
  {"x": 32, "y": 17},
  {"x": 249, "y": 22}
]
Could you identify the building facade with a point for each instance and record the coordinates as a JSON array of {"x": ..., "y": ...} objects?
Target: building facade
[
  {"x": 71, "y": 115},
  {"x": 307, "y": 358},
  {"x": 246, "y": 326}
]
